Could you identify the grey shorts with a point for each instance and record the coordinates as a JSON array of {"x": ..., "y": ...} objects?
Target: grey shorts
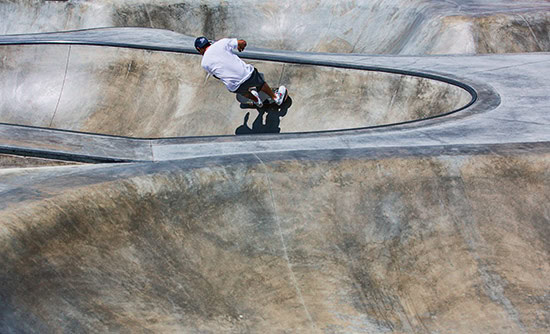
[{"x": 255, "y": 80}]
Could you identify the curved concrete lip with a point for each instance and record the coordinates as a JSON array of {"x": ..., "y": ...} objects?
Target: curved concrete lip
[
  {"x": 429, "y": 226},
  {"x": 514, "y": 76},
  {"x": 471, "y": 182},
  {"x": 352, "y": 96}
]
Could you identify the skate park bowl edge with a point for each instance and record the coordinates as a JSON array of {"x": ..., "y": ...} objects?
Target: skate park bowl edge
[
  {"x": 153, "y": 94},
  {"x": 403, "y": 194}
]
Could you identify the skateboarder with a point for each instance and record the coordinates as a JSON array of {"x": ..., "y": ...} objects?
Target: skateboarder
[{"x": 219, "y": 61}]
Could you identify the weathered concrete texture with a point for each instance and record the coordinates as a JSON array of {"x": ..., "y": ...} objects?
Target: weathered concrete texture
[
  {"x": 436, "y": 244},
  {"x": 439, "y": 226},
  {"x": 375, "y": 27},
  {"x": 25, "y": 98},
  {"x": 495, "y": 33},
  {"x": 141, "y": 93},
  {"x": 15, "y": 161}
]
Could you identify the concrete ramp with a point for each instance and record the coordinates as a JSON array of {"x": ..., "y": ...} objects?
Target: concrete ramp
[
  {"x": 451, "y": 243},
  {"x": 406, "y": 27},
  {"x": 140, "y": 93},
  {"x": 412, "y": 196}
]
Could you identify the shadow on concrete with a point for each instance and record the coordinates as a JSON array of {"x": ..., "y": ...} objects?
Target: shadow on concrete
[{"x": 273, "y": 114}]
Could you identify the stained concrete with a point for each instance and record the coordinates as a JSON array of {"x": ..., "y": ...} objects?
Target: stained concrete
[
  {"x": 455, "y": 242},
  {"x": 433, "y": 226},
  {"x": 511, "y": 105},
  {"x": 376, "y": 27},
  {"x": 17, "y": 161},
  {"x": 137, "y": 93}
]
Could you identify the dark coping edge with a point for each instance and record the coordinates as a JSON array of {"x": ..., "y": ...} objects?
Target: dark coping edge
[{"x": 56, "y": 155}]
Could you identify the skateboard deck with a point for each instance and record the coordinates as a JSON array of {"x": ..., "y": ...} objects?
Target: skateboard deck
[
  {"x": 245, "y": 102},
  {"x": 263, "y": 96}
]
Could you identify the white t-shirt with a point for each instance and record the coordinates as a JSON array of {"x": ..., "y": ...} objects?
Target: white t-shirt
[{"x": 221, "y": 62}]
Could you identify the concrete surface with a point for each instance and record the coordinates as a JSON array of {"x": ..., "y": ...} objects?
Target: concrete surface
[
  {"x": 16, "y": 161},
  {"x": 349, "y": 242},
  {"x": 408, "y": 27},
  {"x": 438, "y": 225},
  {"x": 130, "y": 92}
]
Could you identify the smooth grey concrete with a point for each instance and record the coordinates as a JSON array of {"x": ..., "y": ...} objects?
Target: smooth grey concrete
[
  {"x": 432, "y": 226},
  {"x": 137, "y": 93}
]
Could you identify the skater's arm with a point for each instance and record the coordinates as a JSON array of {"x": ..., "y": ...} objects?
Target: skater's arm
[
  {"x": 241, "y": 44},
  {"x": 235, "y": 44}
]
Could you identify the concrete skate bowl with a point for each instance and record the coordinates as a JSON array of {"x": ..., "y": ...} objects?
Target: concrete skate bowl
[
  {"x": 348, "y": 245},
  {"x": 439, "y": 226},
  {"x": 140, "y": 93}
]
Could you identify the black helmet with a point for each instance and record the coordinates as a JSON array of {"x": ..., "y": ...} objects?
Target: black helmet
[{"x": 201, "y": 42}]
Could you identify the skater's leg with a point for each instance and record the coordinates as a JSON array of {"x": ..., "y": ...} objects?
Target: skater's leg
[
  {"x": 249, "y": 96},
  {"x": 266, "y": 89}
]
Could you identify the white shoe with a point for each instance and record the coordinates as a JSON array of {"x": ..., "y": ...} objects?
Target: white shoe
[
  {"x": 259, "y": 104},
  {"x": 280, "y": 95}
]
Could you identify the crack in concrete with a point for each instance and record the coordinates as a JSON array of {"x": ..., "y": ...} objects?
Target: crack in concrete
[
  {"x": 283, "y": 242},
  {"x": 506, "y": 67},
  {"x": 62, "y": 85},
  {"x": 493, "y": 283},
  {"x": 430, "y": 137},
  {"x": 532, "y": 32},
  {"x": 519, "y": 121},
  {"x": 148, "y": 15}
]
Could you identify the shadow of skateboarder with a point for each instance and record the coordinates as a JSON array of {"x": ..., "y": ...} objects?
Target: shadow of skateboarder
[{"x": 273, "y": 114}]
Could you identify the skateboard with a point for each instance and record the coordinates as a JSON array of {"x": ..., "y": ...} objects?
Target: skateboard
[
  {"x": 263, "y": 96},
  {"x": 246, "y": 102}
]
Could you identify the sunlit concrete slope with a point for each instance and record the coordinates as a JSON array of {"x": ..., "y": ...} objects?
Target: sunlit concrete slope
[
  {"x": 439, "y": 225},
  {"x": 407, "y": 243},
  {"x": 139, "y": 93},
  {"x": 376, "y": 27}
]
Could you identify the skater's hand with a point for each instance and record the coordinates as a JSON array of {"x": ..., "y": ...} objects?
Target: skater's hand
[{"x": 241, "y": 44}]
